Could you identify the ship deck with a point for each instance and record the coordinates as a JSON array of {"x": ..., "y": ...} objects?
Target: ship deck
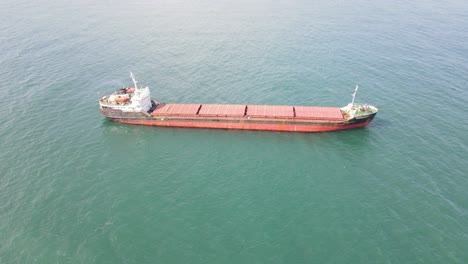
[{"x": 266, "y": 112}]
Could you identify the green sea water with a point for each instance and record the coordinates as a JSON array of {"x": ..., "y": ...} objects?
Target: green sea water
[{"x": 75, "y": 188}]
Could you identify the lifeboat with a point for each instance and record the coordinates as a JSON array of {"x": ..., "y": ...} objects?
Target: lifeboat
[
  {"x": 130, "y": 90},
  {"x": 121, "y": 99}
]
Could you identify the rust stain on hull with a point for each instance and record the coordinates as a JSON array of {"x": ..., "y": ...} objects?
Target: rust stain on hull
[{"x": 280, "y": 126}]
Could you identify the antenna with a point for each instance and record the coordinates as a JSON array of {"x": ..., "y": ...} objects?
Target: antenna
[
  {"x": 354, "y": 95},
  {"x": 134, "y": 81}
]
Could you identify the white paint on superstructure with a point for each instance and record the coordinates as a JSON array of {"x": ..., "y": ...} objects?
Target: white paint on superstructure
[{"x": 139, "y": 99}]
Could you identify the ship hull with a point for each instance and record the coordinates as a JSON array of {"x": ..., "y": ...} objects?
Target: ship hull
[{"x": 250, "y": 124}]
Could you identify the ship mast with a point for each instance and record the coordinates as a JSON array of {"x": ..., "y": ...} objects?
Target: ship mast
[
  {"x": 354, "y": 95},
  {"x": 134, "y": 81}
]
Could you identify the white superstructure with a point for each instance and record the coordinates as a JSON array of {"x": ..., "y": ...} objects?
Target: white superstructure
[{"x": 128, "y": 99}]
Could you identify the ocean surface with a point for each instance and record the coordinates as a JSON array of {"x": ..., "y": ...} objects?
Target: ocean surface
[{"x": 76, "y": 188}]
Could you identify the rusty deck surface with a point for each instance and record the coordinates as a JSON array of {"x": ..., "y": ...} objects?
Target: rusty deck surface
[
  {"x": 222, "y": 110},
  {"x": 314, "y": 112},
  {"x": 251, "y": 111},
  {"x": 176, "y": 109},
  {"x": 270, "y": 111}
]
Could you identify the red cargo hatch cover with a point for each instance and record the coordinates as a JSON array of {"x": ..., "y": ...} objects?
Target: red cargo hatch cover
[
  {"x": 270, "y": 111},
  {"x": 176, "y": 110},
  {"x": 222, "y": 110},
  {"x": 322, "y": 113}
]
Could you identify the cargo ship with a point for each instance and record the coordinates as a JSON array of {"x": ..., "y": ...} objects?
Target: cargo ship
[{"x": 133, "y": 105}]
